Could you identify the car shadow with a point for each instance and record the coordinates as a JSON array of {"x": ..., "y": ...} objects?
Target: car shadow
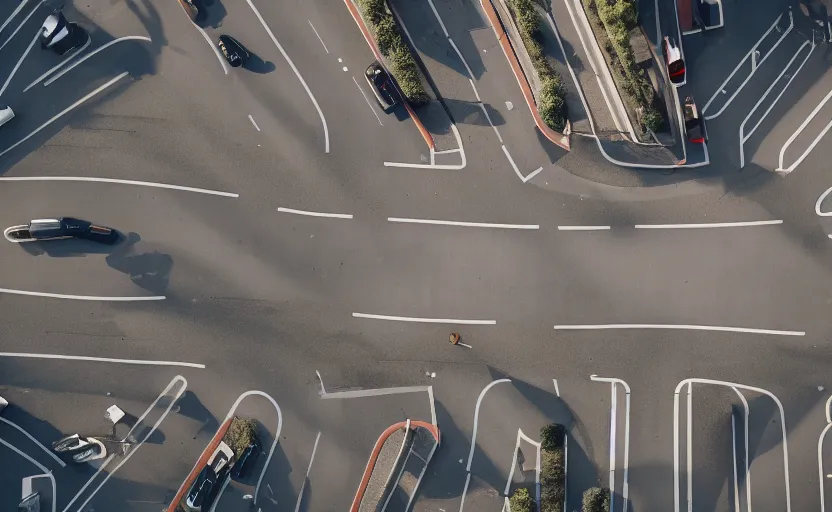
[
  {"x": 150, "y": 270},
  {"x": 257, "y": 65}
]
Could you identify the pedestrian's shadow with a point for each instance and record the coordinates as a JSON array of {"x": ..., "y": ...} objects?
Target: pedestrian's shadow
[{"x": 150, "y": 270}]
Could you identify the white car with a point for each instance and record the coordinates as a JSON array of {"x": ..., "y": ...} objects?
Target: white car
[{"x": 6, "y": 114}]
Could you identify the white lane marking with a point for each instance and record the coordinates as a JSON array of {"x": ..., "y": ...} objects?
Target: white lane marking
[
  {"x": 21, "y": 24},
  {"x": 522, "y": 437},
  {"x": 250, "y": 118},
  {"x": 435, "y": 13},
  {"x": 557, "y": 389},
  {"x": 613, "y": 438},
  {"x": 459, "y": 223},
  {"x": 319, "y": 39},
  {"x": 80, "y": 297},
  {"x": 613, "y": 381},
  {"x": 364, "y": 393},
  {"x": 710, "y": 225},
  {"x": 690, "y": 447},
  {"x": 432, "y": 406},
  {"x": 798, "y": 132},
  {"x": 63, "y": 112},
  {"x": 297, "y": 73},
  {"x": 516, "y": 170},
  {"x": 32, "y": 438},
  {"x": 119, "y": 182},
  {"x": 135, "y": 448},
  {"x": 19, "y": 62},
  {"x": 464, "y": 491},
  {"x": 821, "y": 473},
  {"x": 59, "y": 65},
  {"x": 217, "y": 499},
  {"x": 19, "y": 8},
  {"x": 461, "y": 165},
  {"x": 476, "y": 419},
  {"x": 583, "y": 228},
  {"x": 747, "y": 479},
  {"x": 144, "y": 362},
  {"x": 164, "y": 392},
  {"x": 680, "y": 327},
  {"x": 40, "y": 466},
  {"x": 214, "y": 48},
  {"x": 754, "y": 69},
  {"x": 315, "y": 214},
  {"x": 92, "y": 53},
  {"x": 743, "y": 136},
  {"x": 425, "y": 320},
  {"x": 368, "y": 101},
  {"x": 734, "y": 454},
  {"x": 771, "y": 395}
]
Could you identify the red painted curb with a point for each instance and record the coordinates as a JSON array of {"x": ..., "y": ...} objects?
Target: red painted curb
[
  {"x": 368, "y": 471},
  {"x": 200, "y": 463},
  {"x": 554, "y": 136},
  {"x": 371, "y": 43}
]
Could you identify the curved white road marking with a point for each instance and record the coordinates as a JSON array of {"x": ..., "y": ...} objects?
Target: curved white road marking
[
  {"x": 59, "y": 65},
  {"x": 142, "y": 362},
  {"x": 425, "y": 320},
  {"x": 474, "y": 432},
  {"x": 681, "y": 327},
  {"x": 17, "y": 10},
  {"x": 19, "y": 62},
  {"x": 21, "y": 24},
  {"x": 676, "y": 434},
  {"x": 613, "y": 419},
  {"x": 164, "y": 392},
  {"x": 120, "y": 182},
  {"x": 458, "y": 223},
  {"x": 80, "y": 297},
  {"x": 31, "y": 438},
  {"x": 710, "y": 225},
  {"x": 315, "y": 214},
  {"x": 297, "y": 73},
  {"x": 211, "y": 44},
  {"x": 87, "y": 56},
  {"x": 820, "y": 201},
  {"x": 40, "y": 466},
  {"x": 64, "y": 112}
]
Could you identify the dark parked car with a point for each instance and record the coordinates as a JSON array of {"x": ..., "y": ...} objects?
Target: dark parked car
[
  {"x": 203, "y": 490},
  {"x": 246, "y": 460},
  {"x": 233, "y": 51},
  {"x": 61, "y": 36},
  {"x": 59, "y": 229},
  {"x": 694, "y": 123},
  {"x": 381, "y": 85},
  {"x": 674, "y": 61}
]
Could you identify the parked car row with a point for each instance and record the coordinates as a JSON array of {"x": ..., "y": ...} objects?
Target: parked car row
[
  {"x": 221, "y": 465},
  {"x": 675, "y": 63}
]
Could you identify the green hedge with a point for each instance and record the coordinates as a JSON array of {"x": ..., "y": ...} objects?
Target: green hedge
[
  {"x": 552, "y": 468},
  {"x": 521, "y": 501},
  {"x": 393, "y": 46},
  {"x": 551, "y": 104},
  {"x": 240, "y": 434},
  {"x": 596, "y": 499}
]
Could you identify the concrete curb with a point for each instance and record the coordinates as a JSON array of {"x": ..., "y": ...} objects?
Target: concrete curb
[
  {"x": 554, "y": 137},
  {"x": 200, "y": 463},
  {"x": 372, "y": 44}
]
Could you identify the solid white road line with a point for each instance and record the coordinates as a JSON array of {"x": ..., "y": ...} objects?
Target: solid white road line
[
  {"x": 40, "y": 466},
  {"x": 680, "y": 327},
  {"x": 613, "y": 381},
  {"x": 319, "y": 36},
  {"x": 368, "y": 101},
  {"x": 80, "y": 297},
  {"x": 466, "y": 224},
  {"x": 21, "y": 24},
  {"x": 583, "y": 228},
  {"x": 557, "y": 390},
  {"x": 119, "y": 182},
  {"x": 464, "y": 491},
  {"x": 710, "y": 225},
  {"x": 821, "y": 472},
  {"x": 56, "y": 67},
  {"x": 17, "y": 10},
  {"x": 315, "y": 214},
  {"x": 425, "y": 320},
  {"x": 364, "y": 393},
  {"x": 311, "y": 459},
  {"x": 31, "y": 438},
  {"x": 143, "y": 362},
  {"x": 297, "y": 73},
  {"x": 19, "y": 62},
  {"x": 747, "y": 479},
  {"x": 613, "y": 438},
  {"x": 808, "y": 150},
  {"x": 797, "y": 132},
  {"x": 516, "y": 170},
  {"x": 92, "y": 53},
  {"x": 476, "y": 420},
  {"x": 734, "y": 467},
  {"x": 462, "y": 164},
  {"x": 64, "y": 111},
  {"x": 690, "y": 447},
  {"x": 251, "y": 118}
]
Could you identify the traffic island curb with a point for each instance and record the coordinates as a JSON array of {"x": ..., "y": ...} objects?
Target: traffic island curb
[{"x": 555, "y": 137}]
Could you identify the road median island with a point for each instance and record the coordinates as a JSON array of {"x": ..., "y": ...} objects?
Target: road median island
[{"x": 549, "y": 108}]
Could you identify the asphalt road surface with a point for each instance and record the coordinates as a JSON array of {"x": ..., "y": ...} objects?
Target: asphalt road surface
[{"x": 267, "y": 247}]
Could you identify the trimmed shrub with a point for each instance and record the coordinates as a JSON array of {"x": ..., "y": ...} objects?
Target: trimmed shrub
[
  {"x": 596, "y": 499},
  {"x": 652, "y": 120},
  {"x": 552, "y": 469},
  {"x": 521, "y": 501},
  {"x": 551, "y": 436},
  {"x": 240, "y": 434}
]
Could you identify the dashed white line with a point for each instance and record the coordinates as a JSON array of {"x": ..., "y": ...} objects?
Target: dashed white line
[
  {"x": 465, "y": 224},
  {"x": 315, "y": 214},
  {"x": 143, "y": 362},
  {"x": 19, "y": 62},
  {"x": 80, "y": 297},
  {"x": 583, "y": 228},
  {"x": 677, "y": 327},
  {"x": 297, "y": 73},
  {"x": 64, "y": 112},
  {"x": 457, "y": 321},
  {"x": 119, "y": 182},
  {"x": 92, "y": 53},
  {"x": 56, "y": 67},
  {"x": 322, "y": 44},
  {"x": 368, "y": 101},
  {"x": 710, "y": 225},
  {"x": 251, "y": 118}
]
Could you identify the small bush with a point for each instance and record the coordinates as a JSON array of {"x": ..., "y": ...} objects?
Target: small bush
[
  {"x": 552, "y": 436},
  {"x": 240, "y": 434},
  {"x": 652, "y": 120},
  {"x": 596, "y": 499},
  {"x": 521, "y": 501},
  {"x": 551, "y": 106},
  {"x": 552, "y": 473}
]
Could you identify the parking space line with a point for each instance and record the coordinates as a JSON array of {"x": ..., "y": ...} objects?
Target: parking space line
[
  {"x": 747, "y": 479},
  {"x": 678, "y": 327},
  {"x": 613, "y": 421},
  {"x": 14, "y": 13},
  {"x": 456, "y": 321},
  {"x": 710, "y": 225},
  {"x": 368, "y": 102},
  {"x": 460, "y": 223},
  {"x": 92, "y": 53},
  {"x": 308, "y": 469},
  {"x": 80, "y": 297},
  {"x": 476, "y": 421},
  {"x": 19, "y": 62},
  {"x": 59, "y": 65},
  {"x": 21, "y": 24},
  {"x": 31, "y": 438},
  {"x": 319, "y": 36},
  {"x": 119, "y": 182},
  {"x": 315, "y": 214},
  {"x": 142, "y": 362},
  {"x": 40, "y": 466}
]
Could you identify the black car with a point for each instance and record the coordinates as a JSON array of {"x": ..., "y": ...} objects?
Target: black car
[
  {"x": 61, "y": 36},
  {"x": 246, "y": 461},
  {"x": 381, "y": 85},
  {"x": 233, "y": 51},
  {"x": 59, "y": 229},
  {"x": 203, "y": 490},
  {"x": 694, "y": 123}
]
